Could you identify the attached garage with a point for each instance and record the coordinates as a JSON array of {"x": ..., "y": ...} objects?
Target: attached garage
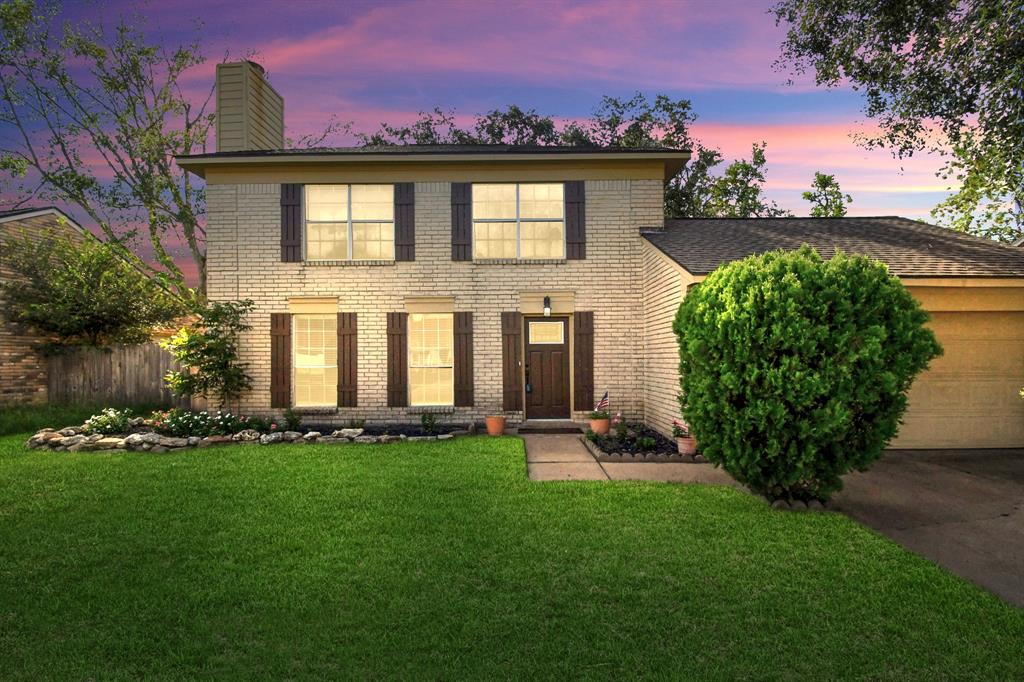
[{"x": 973, "y": 289}]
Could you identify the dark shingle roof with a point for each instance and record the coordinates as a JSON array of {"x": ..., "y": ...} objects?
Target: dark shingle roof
[
  {"x": 10, "y": 213},
  {"x": 910, "y": 248},
  {"x": 427, "y": 149}
]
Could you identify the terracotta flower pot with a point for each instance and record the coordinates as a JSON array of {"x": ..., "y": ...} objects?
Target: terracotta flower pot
[
  {"x": 687, "y": 445},
  {"x": 495, "y": 425},
  {"x": 600, "y": 426}
]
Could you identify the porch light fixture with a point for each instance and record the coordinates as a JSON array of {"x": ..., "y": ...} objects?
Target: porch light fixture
[{"x": 547, "y": 306}]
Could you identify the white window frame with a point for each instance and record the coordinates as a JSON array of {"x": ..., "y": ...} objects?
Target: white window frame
[
  {"x": 409, "y": 366},
  {"x": 350, "y": 244},
  {"x": 295, "y": 364},
  {"x": 517, "y": 220}
]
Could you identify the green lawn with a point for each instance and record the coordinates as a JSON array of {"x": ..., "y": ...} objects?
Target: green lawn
[{"x": 440, "y": 560}]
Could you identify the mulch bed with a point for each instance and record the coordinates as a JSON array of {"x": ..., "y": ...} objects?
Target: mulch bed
[{"x": 610, "y": 448}]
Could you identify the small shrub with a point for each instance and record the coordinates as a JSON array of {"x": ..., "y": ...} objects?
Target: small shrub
[
  {"x": 356, "y": 423},
  {"x": 646, "y": 442},
  {"x": 110, "y": 421},
  {"x": 429, "y": 422},
  {"x": 258, "y": 424},
  {"x": 795, "y": 371},
  {"x": 181, "y": 423},
  {"x": 292, "y": 420}
]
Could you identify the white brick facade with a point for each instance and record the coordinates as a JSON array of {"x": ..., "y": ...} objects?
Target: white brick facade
[{"x": 243, "y": 251}]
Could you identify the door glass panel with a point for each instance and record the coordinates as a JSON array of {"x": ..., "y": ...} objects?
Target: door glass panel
[{"x": 547, "y": 332}]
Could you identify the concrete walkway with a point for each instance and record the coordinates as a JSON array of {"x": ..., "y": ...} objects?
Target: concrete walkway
[
  {"x": 562, "y": 457},
  {"x": 963, "y": 509}
]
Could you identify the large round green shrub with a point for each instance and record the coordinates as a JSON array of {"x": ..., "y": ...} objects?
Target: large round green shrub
[{"x": 795, "y": 370}]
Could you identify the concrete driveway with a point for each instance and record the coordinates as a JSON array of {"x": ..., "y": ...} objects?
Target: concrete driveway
[{"x": 963, "y": 509}]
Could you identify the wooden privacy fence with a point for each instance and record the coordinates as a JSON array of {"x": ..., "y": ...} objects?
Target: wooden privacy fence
[{"x": 125, "y": 375}]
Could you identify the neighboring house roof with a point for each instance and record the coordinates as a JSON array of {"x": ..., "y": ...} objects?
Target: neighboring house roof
[
  {"x": 910, "y": 248},
  {"x": 673, "y": 158},
  {"x": 33, "y": 211}
]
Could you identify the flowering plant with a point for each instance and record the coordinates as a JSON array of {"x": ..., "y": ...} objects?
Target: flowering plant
[
  {"x": 109, "y": 421},
  {"x": 680, "y": 429}
]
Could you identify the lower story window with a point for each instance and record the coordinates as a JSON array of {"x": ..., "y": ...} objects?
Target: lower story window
[
  {"x": 431, "y": 364},
  {"x": 315, "y": 360}
]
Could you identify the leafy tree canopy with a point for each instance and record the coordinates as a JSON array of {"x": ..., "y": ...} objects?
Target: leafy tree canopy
[
  {"x": 635, "y": 122},
  {"x": 81, "y": 292},
  {"x": 938, "y": 75},
  {"x": 94, "y": 118},
  {"x": 826, "y": 197}
]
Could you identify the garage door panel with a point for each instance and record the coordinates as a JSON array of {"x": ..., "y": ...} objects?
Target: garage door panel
[
  {"x": 969, "y": 398},
  {"x": 978, "y": 358},
  {"x": 982, "y": 398}
]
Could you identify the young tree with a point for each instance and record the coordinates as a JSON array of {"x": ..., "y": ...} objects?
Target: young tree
[
  {"x": 93, "y": 118},
  {"x": 208, "y": 351},
  {"x": 942, "y": 76},
  {"x": 81, "y": 293},
  {"x": 826, "y": 197}
]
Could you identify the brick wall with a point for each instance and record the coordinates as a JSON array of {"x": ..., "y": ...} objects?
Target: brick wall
[
  {"x": 243, "y": 251},
  {"x": 664, "y": 286},
  {"x": 22, "y": 369}
]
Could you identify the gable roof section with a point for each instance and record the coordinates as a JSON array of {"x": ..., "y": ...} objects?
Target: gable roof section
[
  {"x": 33, "y": 211},
  {"x": 673, "y": 159},
  {"x": 910, "y": 248}
]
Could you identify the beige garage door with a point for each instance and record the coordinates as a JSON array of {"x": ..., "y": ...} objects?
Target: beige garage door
[{"x": 969, "y": 398}]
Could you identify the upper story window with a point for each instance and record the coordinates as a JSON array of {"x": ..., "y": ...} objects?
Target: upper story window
[
  {"x": 350, "y": 222},
  {"x": 519, "y": 220}
]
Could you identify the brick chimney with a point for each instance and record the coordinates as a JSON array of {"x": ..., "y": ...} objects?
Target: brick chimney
[{"x": 250, "y": 113}]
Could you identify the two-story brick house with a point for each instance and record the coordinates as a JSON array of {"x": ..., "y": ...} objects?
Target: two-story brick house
[{"x": 473, "y": 280}]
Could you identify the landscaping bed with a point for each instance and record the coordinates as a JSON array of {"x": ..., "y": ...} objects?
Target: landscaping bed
[
  {"x": 635, "y": 442},
  {"x": 121, "y": 430}
]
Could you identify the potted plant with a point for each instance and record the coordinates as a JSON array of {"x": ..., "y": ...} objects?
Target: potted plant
[
  {"x": 685, "y": 442},
  {"x": 495, "y": 424},
  {"x": 600, "y": 422}
]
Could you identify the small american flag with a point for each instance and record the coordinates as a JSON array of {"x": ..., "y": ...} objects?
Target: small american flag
[{"x": 602, "y": 404}]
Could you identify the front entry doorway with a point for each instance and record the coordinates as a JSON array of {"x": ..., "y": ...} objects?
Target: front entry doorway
[{"x": 547, "y": 368}]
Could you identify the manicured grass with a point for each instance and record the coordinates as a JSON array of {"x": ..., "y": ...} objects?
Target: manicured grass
[
  {"x": 440, "y": 560},
  {"x": 21, "y": 418}
]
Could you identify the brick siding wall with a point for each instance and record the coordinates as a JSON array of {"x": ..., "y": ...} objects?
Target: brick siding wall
[
  {"x": 23, "y": 369},
  {"x": 663, "y": 291},
  {"x": 243, "y": 251}
]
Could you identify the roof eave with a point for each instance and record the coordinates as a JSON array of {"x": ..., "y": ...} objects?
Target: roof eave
[{"x": 673, "y": 161}]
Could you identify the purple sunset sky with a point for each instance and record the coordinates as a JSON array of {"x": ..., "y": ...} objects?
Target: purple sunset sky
[{"x": 369, "y": 62}]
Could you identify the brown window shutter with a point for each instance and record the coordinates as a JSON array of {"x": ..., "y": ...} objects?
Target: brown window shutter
[
  {"x": 291, "y": 223},
  {"x": 583, "y": 360},
  {"x": 463, "y": 337},
  {"x": 280, "y": 360},
  {"x": 511, "y": 361},
  {"x": 398, "y": 352},
  {"x": 462, "y": 221},
  {"x": 575, "y": 221},
  {"x": 348, "y": 376},
  {"x": 405, "y": 221}
]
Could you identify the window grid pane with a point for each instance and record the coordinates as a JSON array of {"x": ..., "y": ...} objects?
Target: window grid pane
[
  {"x": 431, "y": 359},
  {"x": 519, "y": 221},
  {"x": 315, "y": 361},
  {"x": 547, "y": 332},
  {"x": 336, "y": 214}
]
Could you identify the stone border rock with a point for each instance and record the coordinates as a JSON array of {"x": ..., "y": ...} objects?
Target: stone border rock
[
  {"x": 73, "y": 439},
  {"x": 659, "y": 458},
  {"x": 801, "y": 506}
]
